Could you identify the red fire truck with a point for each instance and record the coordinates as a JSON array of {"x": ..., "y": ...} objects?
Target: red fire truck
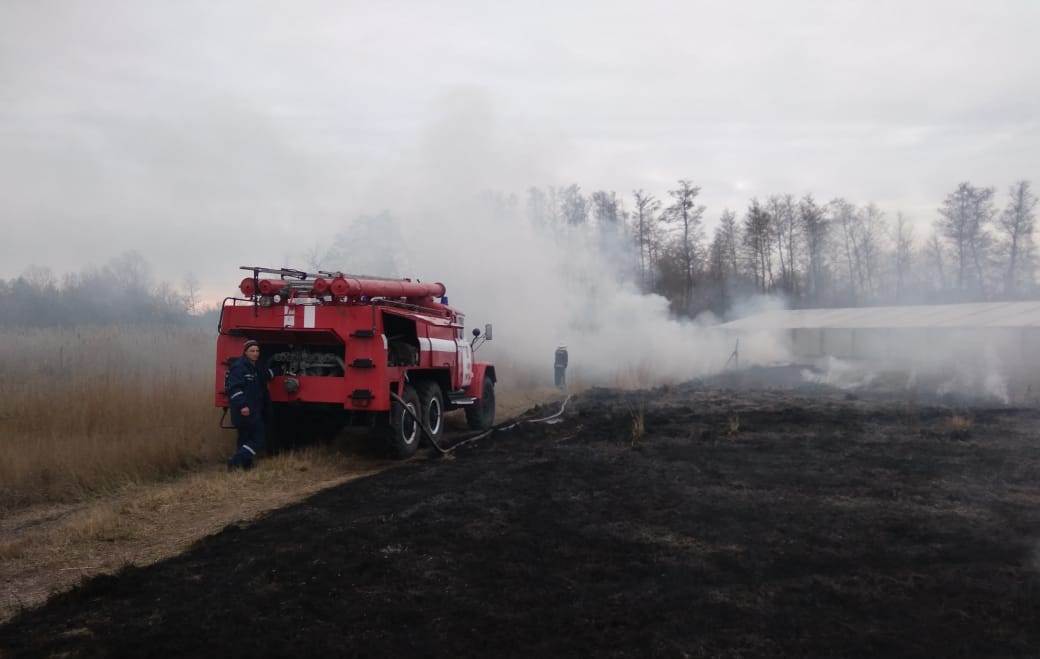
[{"x": 352, "y": 349}]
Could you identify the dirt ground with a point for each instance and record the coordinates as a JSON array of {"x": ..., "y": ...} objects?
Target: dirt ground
[{"x": 696, "y": 520}]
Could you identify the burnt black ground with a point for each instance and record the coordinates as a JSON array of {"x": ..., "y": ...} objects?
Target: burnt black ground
[{"x": 741, "y": 524}]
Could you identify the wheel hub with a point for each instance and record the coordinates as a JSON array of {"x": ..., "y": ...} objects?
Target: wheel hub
[
  {"x": 433, "y": 416},
  {"x": 408, "y": 428}
]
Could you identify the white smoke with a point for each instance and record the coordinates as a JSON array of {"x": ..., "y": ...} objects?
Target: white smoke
[
  {"x": 966, "y": 378},
  {"x": 455, "y": 210}
]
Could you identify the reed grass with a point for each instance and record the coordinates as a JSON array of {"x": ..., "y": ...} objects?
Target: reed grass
[{"x": 86, "y": 411}]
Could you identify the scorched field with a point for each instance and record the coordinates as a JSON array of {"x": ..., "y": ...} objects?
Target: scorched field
[{"x": 695, "y": 520}]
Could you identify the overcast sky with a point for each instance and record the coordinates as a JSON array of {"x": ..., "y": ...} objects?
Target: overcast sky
[{"x": 212, "y": 134}]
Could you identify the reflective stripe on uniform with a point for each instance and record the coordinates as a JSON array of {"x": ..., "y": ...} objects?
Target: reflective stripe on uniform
[
  {"x": 246, "y": 447},
  {"x": 237, "y": 393}
]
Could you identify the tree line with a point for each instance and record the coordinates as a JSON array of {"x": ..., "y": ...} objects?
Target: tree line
[
  {"x": 811, "y": 253},
  {"x": 122, "y": 291}
]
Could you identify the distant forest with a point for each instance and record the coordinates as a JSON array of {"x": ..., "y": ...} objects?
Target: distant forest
[
  {"x": 808, "y": 253},
  {"x": 121, "y": 291},
  {"x": 811, "y": 254}
]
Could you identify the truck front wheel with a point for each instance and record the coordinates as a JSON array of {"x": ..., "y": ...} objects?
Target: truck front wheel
[
  {"x": 404, "y": 431},
  {"x": 481, "y": 414}
]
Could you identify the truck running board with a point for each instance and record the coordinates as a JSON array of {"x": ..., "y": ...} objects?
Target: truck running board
[{"x": 460, "y": 398}]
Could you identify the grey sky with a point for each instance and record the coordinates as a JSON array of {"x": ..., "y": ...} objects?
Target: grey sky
[{"x": 170, "y": 126}]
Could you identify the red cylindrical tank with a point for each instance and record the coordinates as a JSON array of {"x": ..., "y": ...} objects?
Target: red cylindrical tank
[
  {"x": 271, "y": 286},
  {"x": 394, "y": 288},
  {"x": 339, "y": 287},
  {"x": 343, "y": 286}
]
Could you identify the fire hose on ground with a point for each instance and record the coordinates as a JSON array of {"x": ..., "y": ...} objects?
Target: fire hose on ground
[{"x": 505, "y": 425}]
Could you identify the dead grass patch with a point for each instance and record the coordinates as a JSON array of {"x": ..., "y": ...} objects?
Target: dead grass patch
[
  {"x": 732, "y": 428},
  {"x": 638, "y": 376},
  {"x": 89, "y": 411},
  {"x": 638, "y": 426},
  {"x": 958, "y": 425}
]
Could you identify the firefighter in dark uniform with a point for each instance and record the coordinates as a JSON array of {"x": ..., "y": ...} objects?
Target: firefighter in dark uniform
[
  {"x": 246, "y": 389},
  {"x": 560, "y": 368}
]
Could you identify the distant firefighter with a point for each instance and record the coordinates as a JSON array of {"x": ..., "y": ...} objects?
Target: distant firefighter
[{"x": 560, "y": 368}]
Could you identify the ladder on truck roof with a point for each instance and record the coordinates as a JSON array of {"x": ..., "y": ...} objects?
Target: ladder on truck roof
[{"x": 302, "y": 274}]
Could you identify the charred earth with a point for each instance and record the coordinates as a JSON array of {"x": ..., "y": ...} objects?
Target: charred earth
[{"x": 695, "y": 520}]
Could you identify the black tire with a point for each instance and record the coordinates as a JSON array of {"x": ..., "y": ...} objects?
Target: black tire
[
  {"x": 431, "y": 400},
  {"x": 294, "y": 426},
  {"x": 404, "y": 433},
  {"x": 481, "y": 414}
]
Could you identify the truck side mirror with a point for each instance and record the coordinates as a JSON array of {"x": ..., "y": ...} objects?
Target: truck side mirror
[{"x": 487, "y": 332}]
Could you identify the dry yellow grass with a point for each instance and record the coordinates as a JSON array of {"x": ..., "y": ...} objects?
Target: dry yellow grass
[
  {"x": 642, "y": 375},
  {"x": 638, "y": 424},
  {"x": 89, "y": 411}
]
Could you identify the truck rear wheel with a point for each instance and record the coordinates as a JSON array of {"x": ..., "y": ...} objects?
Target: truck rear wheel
[
  {"x": 481, "y": 414},
  {"x": 432, "y": 402},
  {"x": 404, "y": 432}
]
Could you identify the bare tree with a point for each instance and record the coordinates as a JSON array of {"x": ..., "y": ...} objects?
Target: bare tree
[
  {"x": 168, "y": 299},
  {"x": 934, "y": 250},
  {"x": 1015, "y": 226},
  {"x": 718, "y": 264},
  {"x": 788, "y": 223},
  {"x": 606, "y": 208},
  {"x": 844, "y": 215},
  {"x": 656, "y": 248},
  {"x": 573, "y": 206},
  {"x": 871, "y": 231},
  {"x": 687, "y": 214},
  {"x": 784, "y": 234},
  {"x": 757, "y": 243},
  {"x": 723, "y": 254},
  {"x": 191, "y": 293},
  {"x": 39, "y": 277},
  {"x": 775, "y": 208},
  {"x": 730, "y": 234},
  {"x": 815, "y": 228},
  {"x": 129, "y": 272},
  {"x": 963, "y": 219},
  {"x": 903, "y": 241},
  {"x": 645, "y": 216}
]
